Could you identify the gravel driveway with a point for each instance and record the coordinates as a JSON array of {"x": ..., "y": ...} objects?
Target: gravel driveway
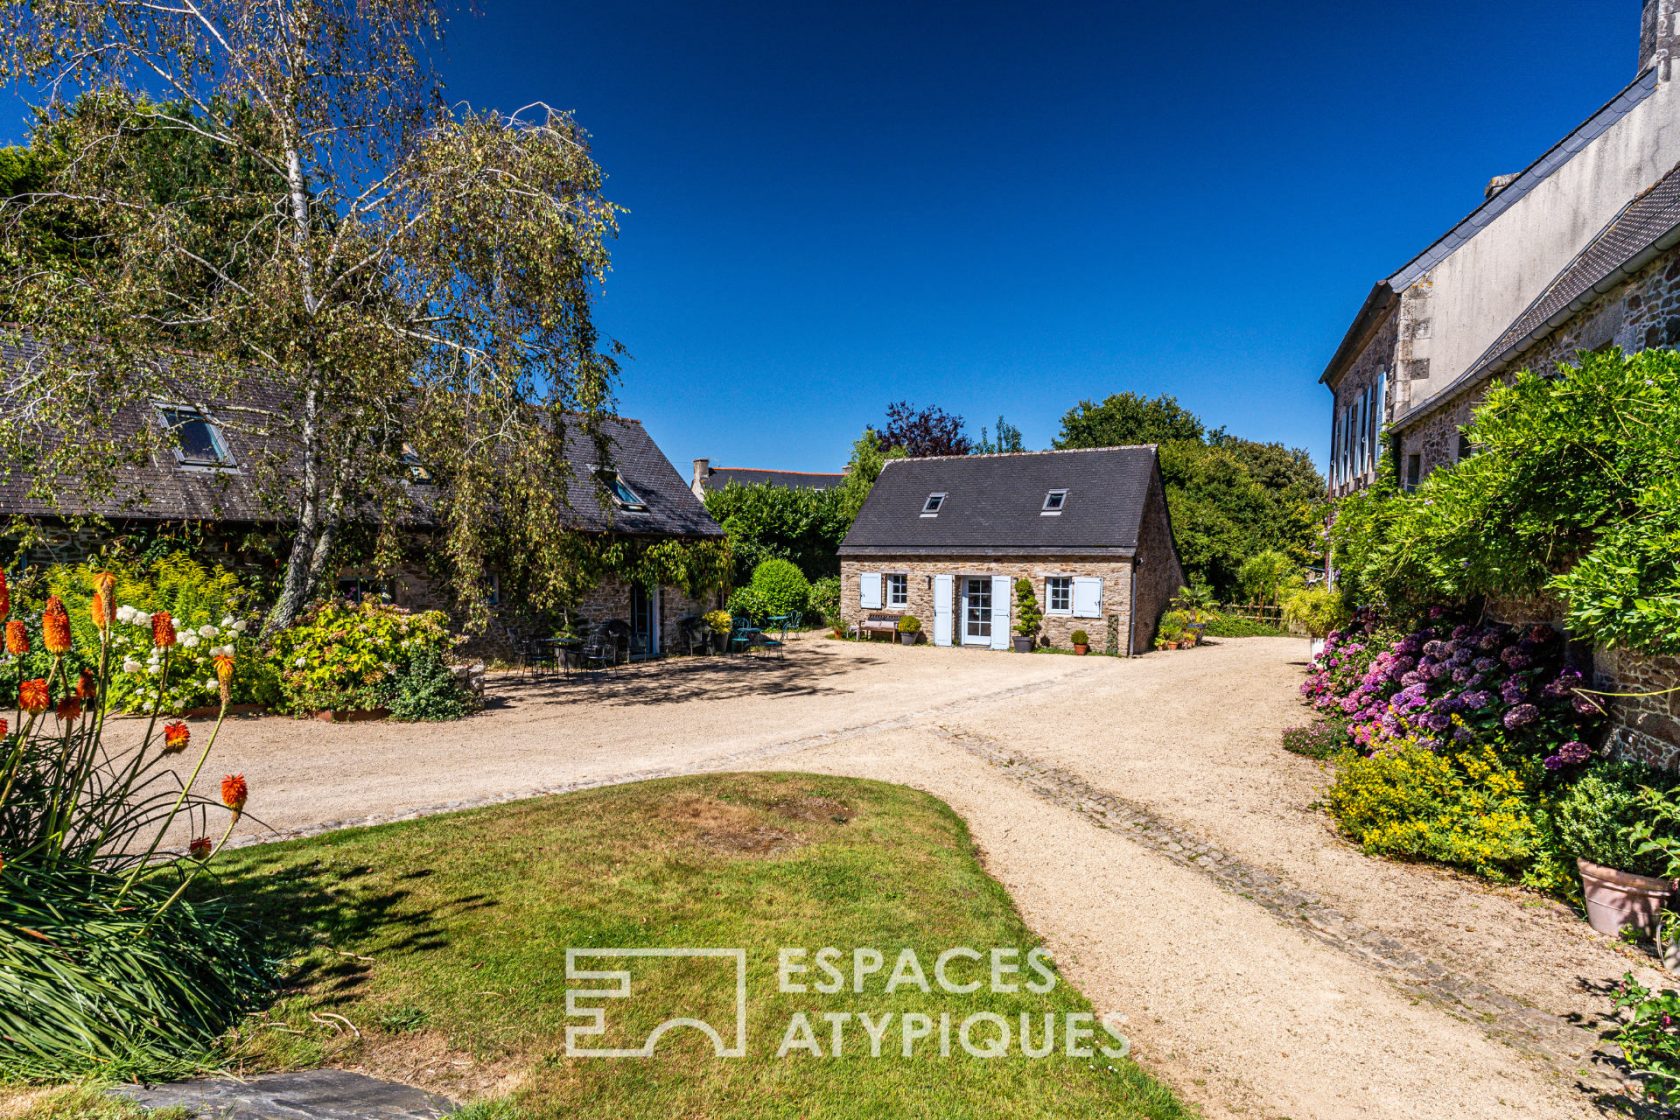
[{"x": 1140, "y": 812}]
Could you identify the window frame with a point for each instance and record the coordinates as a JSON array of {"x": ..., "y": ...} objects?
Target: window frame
[
  {"x": 613, "y": 480},
  {"x": 1060, "y": 495},
  {"x": 174, "y": 417},
  {"x": 933, "y": 503},
  {"x": 1050, "y": 590},
  {"x": 895, "y": 590}
]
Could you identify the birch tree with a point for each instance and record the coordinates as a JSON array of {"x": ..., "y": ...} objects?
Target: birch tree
[{"x": 401, "y": 277}]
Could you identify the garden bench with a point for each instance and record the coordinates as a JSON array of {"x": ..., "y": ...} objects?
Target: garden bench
[{"x": 880, "y": 622}]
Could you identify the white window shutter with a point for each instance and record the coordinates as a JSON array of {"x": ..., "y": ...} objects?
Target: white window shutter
[
  {"x": 869, "y": 585},
  {"x": 1087, "y": 597},
  {"x": 1000, "y": 611},
  {"x": 943, "y": 591}
]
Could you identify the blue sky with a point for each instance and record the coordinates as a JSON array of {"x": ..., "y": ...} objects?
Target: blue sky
[{"x": 1004, "y": 207}]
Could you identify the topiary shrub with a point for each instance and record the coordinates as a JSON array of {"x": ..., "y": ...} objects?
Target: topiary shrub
[
  {"x": 781, "y": 587},
  {"x": 909, "y": 624},
  {"x": 1596, "y": 817},
  {"x": 1080, "y": 638},
  {"x": 1027, "y": 610}
]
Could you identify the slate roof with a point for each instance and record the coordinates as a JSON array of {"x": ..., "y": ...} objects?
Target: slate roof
[
  {"x": 719, "y": 477},
  {"x": 161, "y": 490},
  {"x": 994, "y": 504},
  {"x": 1646, "y": 227}
]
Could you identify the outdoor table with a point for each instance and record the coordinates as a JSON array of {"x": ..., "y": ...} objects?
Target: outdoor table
[{"x": 563, "y": 650}]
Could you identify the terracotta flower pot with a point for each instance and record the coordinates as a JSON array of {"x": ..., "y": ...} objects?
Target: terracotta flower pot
[
  {"x": 1082, "y": 649},
  {"x": 1617, "y": 900}
]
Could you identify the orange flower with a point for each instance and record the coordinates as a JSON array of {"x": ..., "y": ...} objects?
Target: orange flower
[
  {"x": 224, "y": 676},
  {"x": 200, "y": 849},
  {"x": 175, "y": 737},
  {"x": 2, "y": 731},
  {"x": 55, "y": 626},
  {"x": 105, "y": 600},
  {"x": 17, "y": 638},
  {"x": 86, "y": 686},
  {"x": 234, "y": 792},
  {"x": 163, "y": 630},
  {"x": 33, "y": 696},
  {"x": 69, "y": 709}
]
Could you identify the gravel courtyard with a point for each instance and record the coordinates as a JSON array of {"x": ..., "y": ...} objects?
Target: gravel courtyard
[{"x": 1141, "y": 814}]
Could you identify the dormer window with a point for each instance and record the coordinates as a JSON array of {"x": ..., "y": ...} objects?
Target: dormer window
[
  {"x": 1054, "y": 501},
  {"x": 417, "y": 472},
  {"x": 198, "y": 441},
  {"x": 931, "y": 507},
  {"x": 622, "y": 495}
]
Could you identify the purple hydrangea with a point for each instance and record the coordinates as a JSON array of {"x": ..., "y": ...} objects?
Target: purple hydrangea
[
  {"x": 1521, "y": 716},
  {"x": 1513, "y": 691},
  {"x": 1476, "y": 700},
  {"x": 1485, "y": 664}
]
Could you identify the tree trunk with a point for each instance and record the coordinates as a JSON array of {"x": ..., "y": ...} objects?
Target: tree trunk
[{"x": 295, "y": 591}]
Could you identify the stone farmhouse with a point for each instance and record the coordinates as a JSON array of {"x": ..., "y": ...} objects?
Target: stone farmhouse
[
  {"x": 1577, "y": 252},
  {"x": 707, "y": 477},
  {"x": 946, "y": 539},
  {"x": 213, "y": 485}
]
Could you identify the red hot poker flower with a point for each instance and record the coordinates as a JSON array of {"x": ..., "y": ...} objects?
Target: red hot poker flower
[
  {"x": 33, "y": 697},
  {"x": 2, "y": 731},
  {"x": 163, "y": 630},
  {"x": 69, "y": 709},
  {"x": 86, "y": 687},
  {"x": 17, "y": 638},
  {"x": 200, "y": 849},
  {"x": 55, "y": 626},
  {"x": 234, "y": 792},
  {"x": 175, "y": 737}
]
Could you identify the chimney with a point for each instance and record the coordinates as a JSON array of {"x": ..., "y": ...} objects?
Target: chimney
[
  {"x": 1499, "y": 183},
  {"x": 1659, "y": 37},
  {"x": 702, "y": 471}
]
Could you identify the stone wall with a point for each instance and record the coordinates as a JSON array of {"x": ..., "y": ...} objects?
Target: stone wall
[
  {"x": 1115, "y": 608},
  {"x": 1159, "y": 574}
]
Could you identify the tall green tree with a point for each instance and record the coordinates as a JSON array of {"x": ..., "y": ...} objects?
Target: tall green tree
[
  {"x": 869, "y": 454},
  {"x": 1230, "y": 498},
  {"x": 766, "y": 522},
  {"x": 402, "y": 276}
]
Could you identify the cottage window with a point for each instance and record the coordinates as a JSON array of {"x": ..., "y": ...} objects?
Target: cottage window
[
  {"x": 1058, "y": 595},
  {"x": 1414, "y": 471},
  {"x": 198, "y": 441},
  {"x": 1464, "y": 448},
  {"x": 622, "y": 495},
  {"x": 1054, "y": 501},
  {"x": 898, "y": 590},
  {"x": 931, "y": 507}
]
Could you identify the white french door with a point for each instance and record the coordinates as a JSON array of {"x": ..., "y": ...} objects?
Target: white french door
[{"x": 977, "y": 611}]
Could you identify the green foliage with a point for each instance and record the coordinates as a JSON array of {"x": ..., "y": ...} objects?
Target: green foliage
[
  {"x": 1229, "y": 498},
  {"x": 824, "y": 599},
  {"x": 869, "y": 455},
  {"x": 1469, "y": 807},
  {"x": 1008, "y": 440},
  {"x": 116, "y": 985},
  {"x": 719, "y": 622},
  {"x": 1574, "y": 491},
  {"x": 1028, "y": 614},
  {"x": 1320, "y": 739},
  {"x": 747, "y": 602},
  {"x": 1598, "y": 818},
  {"x": 781, "y": 587},
  {"x": 1266, "y": 576},
  {"x": 1313, "y": 610},
  {"x": 1079, "y": 638},
  {"x": 427, "y": 690},
  {"x": 779, "y": 522},
  {"x": 909, "y": 624},
  {"x": 352, "y": 658},
  {"x": 1218, "y": 624},
  {"x": 1649, "y": 1037}
]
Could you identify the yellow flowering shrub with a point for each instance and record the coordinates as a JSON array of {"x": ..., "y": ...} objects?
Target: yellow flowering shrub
[{"x": 1467, "y": 806}]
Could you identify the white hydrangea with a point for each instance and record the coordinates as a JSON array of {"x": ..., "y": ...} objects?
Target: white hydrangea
[
  {"x": 227, "y": 621},
  {"x": 125, "y": 614},
  {"x": 210, "y": 685},
  {"x": 207, "y": 631},
  {"x": 301, "y": 662},
  {"x": 241, "y": 626},
  {"x": 130, "y": 665},
  {"x": 188, "y": 640}
]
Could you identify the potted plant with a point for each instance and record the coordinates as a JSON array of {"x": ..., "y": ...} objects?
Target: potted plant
[
  {"x": 1081, "y": 642},
  {"x": 1614, "y": 827},
  {"x": 909, "y": 628},
  {"x": 1314, "y": 611},
  {"x": 1028, "y": 616}
]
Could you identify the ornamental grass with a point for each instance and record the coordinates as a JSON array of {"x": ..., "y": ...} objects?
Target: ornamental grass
[{"x": 107, "y": 967}]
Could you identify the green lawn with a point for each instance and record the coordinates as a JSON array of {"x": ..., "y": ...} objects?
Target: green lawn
[{"x": 426, "y": 941}]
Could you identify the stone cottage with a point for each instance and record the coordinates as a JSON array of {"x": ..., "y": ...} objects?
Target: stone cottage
[
  {"x": 946, "y": 539},
  {"x": 1577, "y": 252},
  {"x": 219, "y": 483},
  {"x": 707, "y": 477}
]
